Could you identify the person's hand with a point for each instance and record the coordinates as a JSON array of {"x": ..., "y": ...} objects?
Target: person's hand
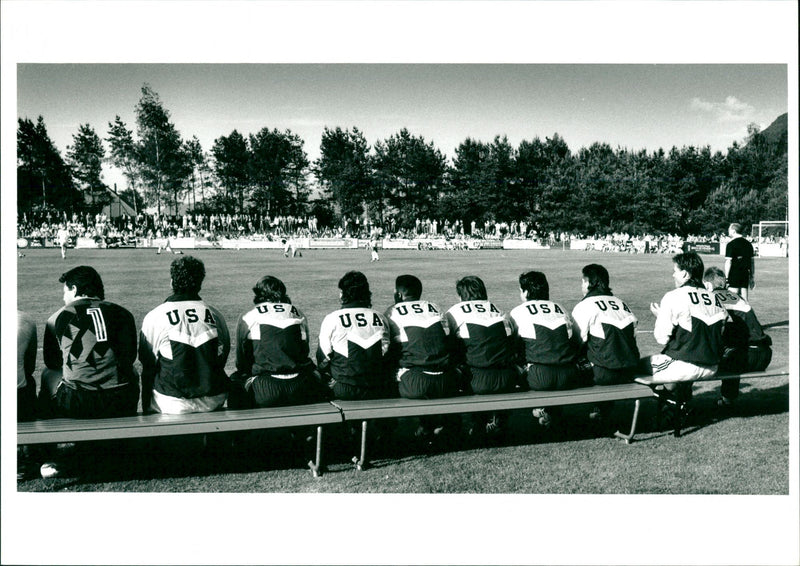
[
  {"x": 654, "y": 308},
  {"x": 752, "y": 282}
]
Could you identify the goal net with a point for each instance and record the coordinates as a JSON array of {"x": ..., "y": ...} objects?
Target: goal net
[{"x": 771, "y": 237}]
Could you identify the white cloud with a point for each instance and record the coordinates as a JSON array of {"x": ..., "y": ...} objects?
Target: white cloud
[{"x": 731, "y": 110}]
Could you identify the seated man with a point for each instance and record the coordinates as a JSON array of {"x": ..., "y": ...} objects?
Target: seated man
[
  {"x": 89, "y": 349},
  {"x": 606, "y": 327},
  {"x": 747, "y": 348},
  {"x": 183, "y": 346},
  {"x": 272, "y": 363},
  {"x": 421, "y": 344},
  {"x": 26, "y": 386},
  {"x": 485, "y": 346},
  {"x": 26, "y": 362},
  {"x": 353, "y": 342},
  {"x": 547, "y": 342},
  {"x": 689, "y": 323}
]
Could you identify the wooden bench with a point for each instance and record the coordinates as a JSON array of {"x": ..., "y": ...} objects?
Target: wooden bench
[
  {"x": 398, "y": 407},
  {"x": 150, "y": 425},
  {"x": 642, "y": 388}
]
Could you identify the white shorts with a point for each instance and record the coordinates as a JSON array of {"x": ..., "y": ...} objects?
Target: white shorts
[
  {"x": 179, "y": 406},
  {"x": 670, "y": 370}
]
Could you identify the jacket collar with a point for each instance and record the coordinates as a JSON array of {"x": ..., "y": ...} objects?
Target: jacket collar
[{"x": 183, "y": 297}]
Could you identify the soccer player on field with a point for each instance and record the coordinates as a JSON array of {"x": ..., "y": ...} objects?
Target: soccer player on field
[
  {"x": 421, "y": 344},
  {"x": 272, "y": 363},
  {"x": 747, "y": 347},
  {"x": 89, "y": 349},
  {"x": 485, "y": 347},
  {"x": 689, "y": 324},
  {"x": 373, "y": 246},
  {"x": 183, "y": 346},
  {"x": 63, "y": 238},
  {"x": 606, "y": 327},
  {"x": 547, "y": 341},
  {"x": 353, "y": 343}
]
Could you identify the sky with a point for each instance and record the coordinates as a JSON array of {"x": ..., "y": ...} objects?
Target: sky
[
  {"x": 640, "y": 75},
  {"x": 626, "y": 105}
]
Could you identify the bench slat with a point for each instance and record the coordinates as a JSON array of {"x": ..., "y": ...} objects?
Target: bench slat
[
  {"x": 399, "y": 407},
  {"x": 648, "y": 379},
  {"x": 75, "y": 430}
]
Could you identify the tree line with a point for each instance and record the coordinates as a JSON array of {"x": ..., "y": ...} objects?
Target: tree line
[{"x": 598, "y": 189}]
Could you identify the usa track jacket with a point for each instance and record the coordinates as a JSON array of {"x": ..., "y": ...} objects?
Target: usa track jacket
[
  {"x": 183, "y": 346},
  {"x": 689, "y": 324},
  {"x": 607, "y": 326}
]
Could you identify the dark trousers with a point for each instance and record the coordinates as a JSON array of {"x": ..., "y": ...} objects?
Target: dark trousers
[
  {"x": 348, "y": 392},
  {"x": 416, "y": 383},
  {"x": 755, "y": 358},
  {"x": 26, "y": 401},
  {"x": 553, "y": 377},
  {"x": 89, "y": 404},
  {"x": 268, "y": 391}
]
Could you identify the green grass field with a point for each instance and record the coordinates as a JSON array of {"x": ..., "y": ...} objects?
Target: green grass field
[{"x": 744, "y": 452}]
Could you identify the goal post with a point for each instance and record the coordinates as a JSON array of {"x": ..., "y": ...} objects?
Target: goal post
[{"x": 771, "y": 237}]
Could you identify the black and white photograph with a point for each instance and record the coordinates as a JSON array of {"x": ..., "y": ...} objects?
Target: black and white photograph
[{"x": 459, "y": 282}]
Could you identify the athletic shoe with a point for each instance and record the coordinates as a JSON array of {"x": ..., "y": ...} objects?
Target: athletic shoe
[
  {"x": 724, "y": 403},
  {"x": 493, "y": 426},
  {"x": 50, "y": 470},
  {"x": 545, "y": 419}
]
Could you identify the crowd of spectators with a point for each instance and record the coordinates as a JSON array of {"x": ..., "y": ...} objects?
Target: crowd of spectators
[{"x": 126, "y": 230}]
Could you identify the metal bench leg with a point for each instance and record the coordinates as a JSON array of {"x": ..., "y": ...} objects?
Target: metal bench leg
[
  {"x": 316, "y": 465},
  {"x": 361, "y": 463},
  {"x": 628, "y": 438}
]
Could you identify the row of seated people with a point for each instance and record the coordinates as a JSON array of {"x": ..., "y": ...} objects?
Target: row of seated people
[{"x": 414, "y": 349}]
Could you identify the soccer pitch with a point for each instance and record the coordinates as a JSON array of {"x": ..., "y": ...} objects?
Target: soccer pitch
[
  {"x": 573, "y": 460},
  {"x": 139, "y": 280}
]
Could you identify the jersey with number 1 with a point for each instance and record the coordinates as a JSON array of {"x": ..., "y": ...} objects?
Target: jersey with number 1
[{"x": 93, "y": 343}]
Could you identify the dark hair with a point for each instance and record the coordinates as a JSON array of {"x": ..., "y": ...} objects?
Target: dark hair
[
  {"x": 187, "y": 274},
  {"x": 86, "y": 281},
  {"x": 597, "y": 276},
  {"x": 270, "y": 289},
  {"x": 409, "y": 286},
  {"x": 716, "y": 277},
  {"x": 471, "y": 288},
  {"x": 692, "y": 264},
  {"x": 535, "y": 286},
  {"x": 355, "y": 288}
]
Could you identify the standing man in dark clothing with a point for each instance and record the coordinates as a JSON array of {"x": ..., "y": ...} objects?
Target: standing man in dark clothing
[{"x": 740, "y": 265}]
